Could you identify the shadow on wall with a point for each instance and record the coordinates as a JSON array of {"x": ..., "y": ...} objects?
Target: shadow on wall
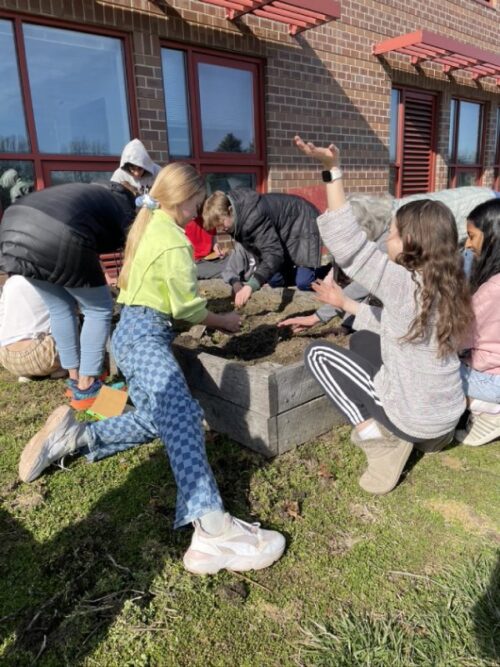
[{"x": 308, "y": 99}]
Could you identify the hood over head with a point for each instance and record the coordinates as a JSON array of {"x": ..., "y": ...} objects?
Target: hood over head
[{"x": 135, "y": 153}]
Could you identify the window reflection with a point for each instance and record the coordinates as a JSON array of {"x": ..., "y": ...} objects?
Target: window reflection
[
  {"x": 227, "y": 111},
  {"x": 225, "y": 182},
  {"x": 60, "y": 177},
  {"x": 176, "y": 102},
  {"x": 469, "y": 130},
  {"x": 17, "y": 179},
  {"x": 393, "y": 142},
  {"x": 466, "y": 178},
  {"x": 13, "y": 135},
  {"x": 451, "y": 138},
  {"x": 78, "y": 91}
]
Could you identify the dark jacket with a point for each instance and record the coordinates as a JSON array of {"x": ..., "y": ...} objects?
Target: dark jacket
[
  {"x": 277, "y": 229},
  {"x": 57, "y": 234}
]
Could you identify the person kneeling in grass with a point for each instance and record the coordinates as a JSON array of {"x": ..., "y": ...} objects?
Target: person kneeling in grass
[
  {"x": 158, "y": 283},
  {"x": 399, "y": 383},
  {"x": 481, "y": 362}
]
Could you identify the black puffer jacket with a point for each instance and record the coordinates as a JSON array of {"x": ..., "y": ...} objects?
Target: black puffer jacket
[
  {"x": 277, "y": 229},
  {"x": 57, "y": 234}
]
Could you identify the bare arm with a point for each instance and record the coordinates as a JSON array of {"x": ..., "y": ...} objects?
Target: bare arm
[{"x": 328, "y": 157}]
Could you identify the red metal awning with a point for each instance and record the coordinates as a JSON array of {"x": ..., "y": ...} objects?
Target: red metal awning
[
  {"x": 299, "y": 15},
  {"x": 451, "y": 54}
]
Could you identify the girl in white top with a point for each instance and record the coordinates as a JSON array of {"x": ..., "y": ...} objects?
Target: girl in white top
[{"x": 26, "y": 346}]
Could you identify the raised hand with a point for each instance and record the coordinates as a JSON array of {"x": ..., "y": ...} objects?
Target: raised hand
[{"x": 328, "y": 156}]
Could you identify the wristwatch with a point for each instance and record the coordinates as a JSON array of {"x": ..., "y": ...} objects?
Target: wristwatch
[{"x": 330, "y": 175}]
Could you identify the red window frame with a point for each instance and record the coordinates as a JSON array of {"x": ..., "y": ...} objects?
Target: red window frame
[
  {"x": 217, "y": 162},
  {"x": 43, "y": 162},
  {"x": 455, "y": 168}
]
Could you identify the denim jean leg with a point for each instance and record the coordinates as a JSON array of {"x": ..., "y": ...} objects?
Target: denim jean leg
[
  {"x": 164, "y": 408},
  {"x": 63, "y": 321},
  {"x": 483, "y": 386},
  {"x": 96, "y": 305}
]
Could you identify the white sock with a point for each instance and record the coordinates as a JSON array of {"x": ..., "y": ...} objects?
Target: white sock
[
  {"x": 370, "y": 431},
  {"x": 213, "y": 522},
  {"x": 477, "y": 406}
]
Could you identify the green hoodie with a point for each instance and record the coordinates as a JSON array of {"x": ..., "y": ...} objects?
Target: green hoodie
[{"x": 163, "y": 272}]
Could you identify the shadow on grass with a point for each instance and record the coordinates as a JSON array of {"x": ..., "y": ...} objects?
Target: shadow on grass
[
  {"x": 58, "y": 598},
  {"x": 486, "y": 618}
]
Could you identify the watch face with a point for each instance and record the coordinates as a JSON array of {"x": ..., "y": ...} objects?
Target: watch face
[{"x": 326, "y": 176}]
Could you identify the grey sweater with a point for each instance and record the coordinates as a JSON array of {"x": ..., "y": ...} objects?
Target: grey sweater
[{"x": 420, "y": 392}]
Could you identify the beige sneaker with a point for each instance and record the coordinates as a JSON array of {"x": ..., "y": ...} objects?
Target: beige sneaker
[
  {"x": 481, "y": 429},
  {"x": 386, "y": 458},
  {"x": 54, "y": 440},
  {"x": 241, "y": 546}
]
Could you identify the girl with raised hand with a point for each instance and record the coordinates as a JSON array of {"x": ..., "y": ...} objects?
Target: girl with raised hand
[
  {"x": 399, "y": 383},
  {"x": 158, "y": 284},
  {"x": 481, "y": 365}
]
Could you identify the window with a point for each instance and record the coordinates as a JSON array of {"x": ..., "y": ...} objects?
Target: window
[
  {"x": 214, "y": 115},
  {"x": 64, "y": 114},
  {"x": 465, "y": 145},
  {"x": 497, "y": 155},
  {"x": 412, "y": 141}
]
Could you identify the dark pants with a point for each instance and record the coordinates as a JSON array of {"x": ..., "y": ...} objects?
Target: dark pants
[
  {"x": 301, "y": 276},
  {"x": 346, "y": 377}
]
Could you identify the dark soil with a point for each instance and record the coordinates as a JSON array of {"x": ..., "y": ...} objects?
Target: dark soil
[{"x": 260, "y": 339}]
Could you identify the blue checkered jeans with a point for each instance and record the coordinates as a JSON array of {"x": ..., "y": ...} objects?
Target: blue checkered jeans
[{"x": 165, "y": 409}]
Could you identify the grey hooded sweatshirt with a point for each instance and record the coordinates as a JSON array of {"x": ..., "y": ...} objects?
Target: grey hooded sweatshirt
[{"x": 135, "y": 153}]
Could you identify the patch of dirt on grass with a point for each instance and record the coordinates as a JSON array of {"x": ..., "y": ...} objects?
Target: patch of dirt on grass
[
  {"x": 364, "y": 512},
  {"x": 458, "y": 512},
  {"x": 260, "y": 339},
  {"x": 452, "y": 462},
  {"x": 28, "y": 500}
]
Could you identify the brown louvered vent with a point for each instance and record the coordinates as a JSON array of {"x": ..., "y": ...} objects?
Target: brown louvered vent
[{"x": 418, "y": 143}]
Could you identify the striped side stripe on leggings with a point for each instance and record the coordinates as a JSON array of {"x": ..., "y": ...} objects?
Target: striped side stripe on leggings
[{"x": 324, "y": 362}]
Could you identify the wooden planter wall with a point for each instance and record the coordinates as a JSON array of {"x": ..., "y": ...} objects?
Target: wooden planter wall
[{"x": 268, "y": 407}]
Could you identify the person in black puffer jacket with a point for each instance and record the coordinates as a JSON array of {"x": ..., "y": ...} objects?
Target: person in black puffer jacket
[
  {"x": 279, "y": 230},
  {"x": 53, "y": 238}
]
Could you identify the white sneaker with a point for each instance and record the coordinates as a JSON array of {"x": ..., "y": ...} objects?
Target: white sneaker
[
  {"x": 241, "y": 546},
  {"x": 481, "y": 429},
  {"x": 56, "y": 439}
]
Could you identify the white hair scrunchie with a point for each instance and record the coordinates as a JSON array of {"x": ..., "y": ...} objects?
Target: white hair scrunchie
[{"x": 147, "y": 201}]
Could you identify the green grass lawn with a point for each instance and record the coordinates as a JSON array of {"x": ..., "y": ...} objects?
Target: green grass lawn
[{"x": 91, "y": 569}]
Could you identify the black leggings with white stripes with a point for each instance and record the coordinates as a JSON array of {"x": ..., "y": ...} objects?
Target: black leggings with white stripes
[{"x": 347, "y": 378}]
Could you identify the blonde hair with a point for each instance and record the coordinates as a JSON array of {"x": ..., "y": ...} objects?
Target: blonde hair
[
  {"x": 174, "y": 184},
  {"x": 215, "y": 209}
]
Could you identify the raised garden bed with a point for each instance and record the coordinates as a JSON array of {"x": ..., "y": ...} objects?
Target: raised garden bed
[{"x": 253, "y": 386}]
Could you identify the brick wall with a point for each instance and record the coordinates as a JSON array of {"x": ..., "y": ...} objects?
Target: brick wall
[{"x": 324, "y": 84}]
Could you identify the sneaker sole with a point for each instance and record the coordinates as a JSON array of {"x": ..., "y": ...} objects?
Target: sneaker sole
[
  {"x": 34, "y": 447},
  {"x": 242, "y": 564},
  {"x": 82, "y": 404}
]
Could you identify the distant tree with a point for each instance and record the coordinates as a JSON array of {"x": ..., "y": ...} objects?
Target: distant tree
[
  {"x": 13, "y": 144},
  {"x": 230, "y": 144},
  {"x": 81, "y": 146}
]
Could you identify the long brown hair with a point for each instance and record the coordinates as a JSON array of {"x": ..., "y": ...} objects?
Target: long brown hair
[
  {"x": 175, "y": 183},
  {"x": 431, "y": 253}
]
